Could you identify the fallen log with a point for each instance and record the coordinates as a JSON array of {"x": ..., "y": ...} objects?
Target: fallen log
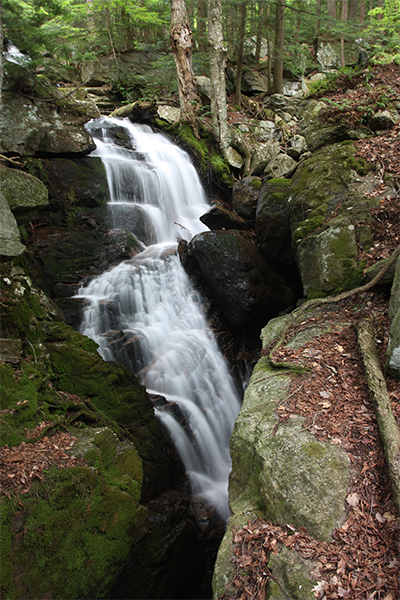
[{"x": 388, "y": 429}]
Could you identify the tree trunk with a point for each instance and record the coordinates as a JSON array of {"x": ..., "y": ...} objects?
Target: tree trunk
[
  {"x": 269, "y": 50},
  {"x": 353, "y": 10},
  {"x": 277, "y": 85},
  {"x": 388, "y": 429},
  {"x": 318, "y": 22},
  {"x": 217, "y": 52},
  {"x": 332, "y": 9},
  {"x": 343, "y": 17},
  {"x": 258, "y": 37},
  {"x": 362, "y": 11},
  {"x": 181, "y": 42},
  {"x": 242, "y": 24},
  {"x": 1, "y": 63},
  {"x": 201, "y": 25}
]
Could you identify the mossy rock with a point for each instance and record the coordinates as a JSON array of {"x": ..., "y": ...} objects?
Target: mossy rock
[
  {"x": 281, "y": 472},
  {"x": 334, "y": 181},
  {"x": 24, "y": 193},
  {"x": 71, "y": 538}
]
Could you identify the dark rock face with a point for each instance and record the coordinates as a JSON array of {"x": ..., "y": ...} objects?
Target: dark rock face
[
  {"x": 272, "y": 223},
  {"x": 247, "y": 289},
  {"x": 219, "y": 217},
  {"x": 155, "y": 568},
  {"x": 245, "y": 196}
]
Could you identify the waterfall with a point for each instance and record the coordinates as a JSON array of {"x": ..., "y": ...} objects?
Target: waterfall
[{"x": 145, "y": 313}]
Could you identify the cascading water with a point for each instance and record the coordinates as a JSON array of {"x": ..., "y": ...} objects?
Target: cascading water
[{"x": 150, "y": 302}]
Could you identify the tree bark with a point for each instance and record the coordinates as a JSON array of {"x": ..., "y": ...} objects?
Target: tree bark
[
  {"x": 388, "y": 429},
  {"x": 181, "y": 42},
  {"x": 258, "y": 35},
  {"x": 318, "y": 21},
  {"x": 277, "y": 85},
  {"x": 343, "y": 16},
  {"x": 362, "y": 12},
  {"x": 217, "y": 52},
  {"x": 242, "y": 23},
  {"x": 332, "y": 9},
  {"x": 353, "y": 10},
  {"x": 1, "y": 63},
  {"x": 269, "y": 50}
]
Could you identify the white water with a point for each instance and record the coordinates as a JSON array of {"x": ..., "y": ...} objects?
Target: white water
[{"x": 151, "y": 299}]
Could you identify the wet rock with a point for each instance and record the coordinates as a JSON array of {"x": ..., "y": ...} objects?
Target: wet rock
[
  {"x": 29, "y": 128},
  {"x": 272, "y": 223},
  {"x": 245, "y": 286},
  {"x": 219, "y": 217},
  {"x": 245, "y": 196}
]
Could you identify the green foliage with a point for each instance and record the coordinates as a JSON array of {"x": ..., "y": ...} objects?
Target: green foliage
[{"x": 384, "y": 33}]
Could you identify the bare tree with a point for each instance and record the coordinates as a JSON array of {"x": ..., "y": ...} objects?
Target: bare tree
[
  {"x": 201, "y": 25},
  {"x": 181, "y": 42},
  {"x": 217, "y": 53}
]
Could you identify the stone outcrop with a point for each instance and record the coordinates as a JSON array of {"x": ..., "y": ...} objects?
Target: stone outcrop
[
  {"x": 10, "y": 238},
  {"x": 112, "y": 503},
  {"x": 246, "y": 287},
  {"x": 23, "y": 192},
  {"x": 280, "y": 471}
]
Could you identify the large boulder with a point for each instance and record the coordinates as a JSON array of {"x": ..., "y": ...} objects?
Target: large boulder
[
  {"x": 24, "y": 193},
  {"x": 316, "y": 130},
  {"x": 263, "y": 155},
  {"x": 245, "y": 197},
  {"x": 280, "y": 471},
  {"x": 325, "y": 244},
  {"x": 29, "y": 127},
  {"x": 245, "y": 286},
  {"x": 272, "y": 223},
  {"x": 10, "y": 238}
]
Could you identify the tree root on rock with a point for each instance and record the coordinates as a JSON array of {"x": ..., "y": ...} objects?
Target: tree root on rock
[
  {"x": 388, "y": 429},
  {"x": 315, "y": 302}
]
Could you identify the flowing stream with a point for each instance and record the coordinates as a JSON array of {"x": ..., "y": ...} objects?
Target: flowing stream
[{"x": 148, "y": 302}]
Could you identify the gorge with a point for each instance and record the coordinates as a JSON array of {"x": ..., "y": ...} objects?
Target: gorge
[{"x": 96, "y": 501}]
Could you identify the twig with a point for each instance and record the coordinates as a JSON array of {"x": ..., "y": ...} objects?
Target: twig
[{"x": 11, "y": 160}]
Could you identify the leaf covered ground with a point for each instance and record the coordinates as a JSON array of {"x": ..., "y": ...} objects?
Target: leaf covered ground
[{"x": 363, "y": 559}]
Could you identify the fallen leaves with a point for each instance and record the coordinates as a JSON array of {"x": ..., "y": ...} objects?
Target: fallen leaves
[
  {"x": 23, "y": 464},
  {"x": 362, "y": 562}
]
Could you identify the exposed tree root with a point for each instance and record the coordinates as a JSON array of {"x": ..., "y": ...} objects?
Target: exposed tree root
[
  {"x": 314, "y": 302},
  {"x": 388, "y": 429}
]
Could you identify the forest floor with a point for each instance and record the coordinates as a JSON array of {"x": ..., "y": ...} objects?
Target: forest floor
[{"x": 362, "y": 561}]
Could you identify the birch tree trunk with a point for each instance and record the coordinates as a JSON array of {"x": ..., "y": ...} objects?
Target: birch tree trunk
[
  {"x": 217, "y": 53},
  {"x": 181, "y": 42}
]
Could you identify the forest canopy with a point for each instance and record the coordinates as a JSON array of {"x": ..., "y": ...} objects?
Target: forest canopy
[{"x": 70, "y": 32}]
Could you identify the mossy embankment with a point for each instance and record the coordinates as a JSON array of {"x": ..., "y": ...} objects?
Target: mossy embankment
[{"x": 69, "y": 533}]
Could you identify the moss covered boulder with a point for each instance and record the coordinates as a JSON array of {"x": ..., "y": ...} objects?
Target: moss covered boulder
[
  {"x": 281, "y": 472},
  {"x": 23, "y": 192},
  {"x": 272, "y": 223},
  {"x": 328, "y": 197}
]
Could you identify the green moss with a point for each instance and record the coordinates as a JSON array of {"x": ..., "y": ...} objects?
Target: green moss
[
  {"x": 256, "y": 184},
  {"x": 78, "y": 520},
  {"x": 307, "y": 226},
  {"x": 314, "y": 450},
  {"x": 353, "y": 274}
]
